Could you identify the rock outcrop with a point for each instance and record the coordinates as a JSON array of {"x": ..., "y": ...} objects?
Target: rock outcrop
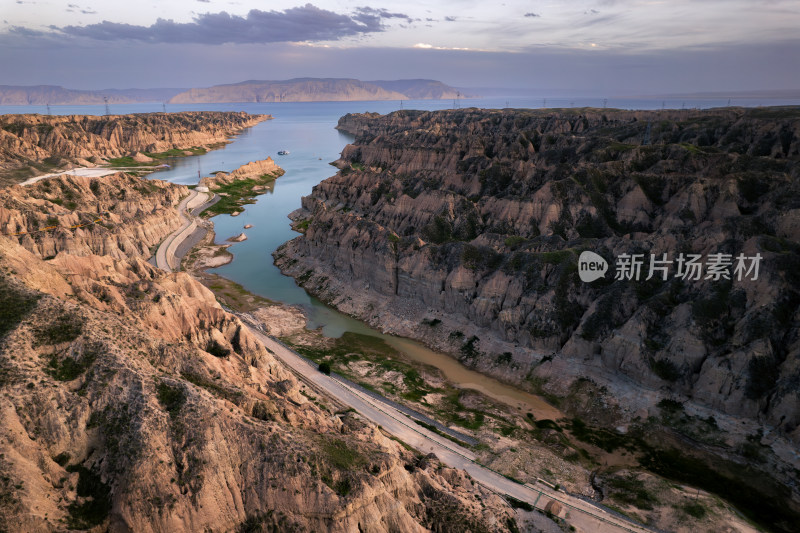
[
  {"x": 252, "y": 170},
  {"x": 133, "y": 402},
  {"x": 476, "y": 219},
  {"x": 34, "y": 144}
]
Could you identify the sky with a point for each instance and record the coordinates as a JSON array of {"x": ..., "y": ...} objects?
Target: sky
[{"x": 597, "y": 47}]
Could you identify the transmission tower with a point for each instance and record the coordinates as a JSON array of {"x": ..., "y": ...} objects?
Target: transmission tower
[
  {"x": 48, "y": 108},
  {"x": 605, "y": 101},
  {"x": 544, "y": 102},
  {"x": 105, "y": 99},
  {"x": 164, "y": 106}
]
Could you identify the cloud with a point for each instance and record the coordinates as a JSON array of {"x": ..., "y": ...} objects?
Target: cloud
[
  {"x": 532, "y": 15},
  {"x": 368, "y": 15},
  {"x": 88, "y": 12},
  {"x": 450, "y": 19},
  {"x": 304, "y": 23}
]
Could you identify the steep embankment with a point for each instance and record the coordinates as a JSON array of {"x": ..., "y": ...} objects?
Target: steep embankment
[
  {"x": 463, "y": 228},
  {"x": 134, "y": 402},
  {"x": 317, "y": 90},
  {"x": 34, "y": 144}
]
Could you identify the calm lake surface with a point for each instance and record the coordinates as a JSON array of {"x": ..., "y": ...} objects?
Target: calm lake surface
[{"x": 307, "y": 131}]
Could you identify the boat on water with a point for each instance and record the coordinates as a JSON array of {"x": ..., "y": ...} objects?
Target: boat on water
[{"x": 283, "y": 152}]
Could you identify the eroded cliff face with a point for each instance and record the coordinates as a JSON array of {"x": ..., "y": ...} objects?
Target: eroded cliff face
[
  {"x": 119, "y": 216},
  {"x": 40, "y": 143},
  {"x": 134, "y": 402},
  {"x": 462, "y": 228}
]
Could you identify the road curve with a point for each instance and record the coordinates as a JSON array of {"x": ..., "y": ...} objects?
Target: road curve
[
  {"x": 583, "y": 515},
  {"x": 165, "y": 255}
]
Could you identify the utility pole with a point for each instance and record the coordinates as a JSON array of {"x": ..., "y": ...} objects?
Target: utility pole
[
  {"x": 164, "y": 106},
  {"x": 544, "y": 102},
  {"x": 105, "y": 99}
]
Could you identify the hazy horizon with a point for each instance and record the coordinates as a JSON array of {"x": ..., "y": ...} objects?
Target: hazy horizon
[{"x": 610, "y": 47}]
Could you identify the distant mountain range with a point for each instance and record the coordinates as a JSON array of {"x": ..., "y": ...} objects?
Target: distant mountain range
[
  {"x": 55, "y": 95},
  {"x": 295, "y": 90},
  {"x": 318, "y": 90}
]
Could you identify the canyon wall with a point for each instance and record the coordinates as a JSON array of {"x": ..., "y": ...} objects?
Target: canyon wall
[
  {"x": 35, "y": 144},
  {"x": 134, "y": 402},
  {"x": 463, "y": 229}
]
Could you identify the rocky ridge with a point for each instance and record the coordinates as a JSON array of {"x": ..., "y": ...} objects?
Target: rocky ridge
[
  {"x": 133, "y": 401},
  {"x": 34, "y": 144},
  {"x": 251, "y": 170},
  {"x": 473, "y": 221}
]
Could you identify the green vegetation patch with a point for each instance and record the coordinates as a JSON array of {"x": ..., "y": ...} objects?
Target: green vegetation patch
[
  {"x": 66, "y": 328},
  {"x": 171, "y": 397},
  {"x": 238, "y": 193},
  {"x": 631, "y": 491},
  {"x": 70, "y": 368},
  {"x": 342, "y": 456}
]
